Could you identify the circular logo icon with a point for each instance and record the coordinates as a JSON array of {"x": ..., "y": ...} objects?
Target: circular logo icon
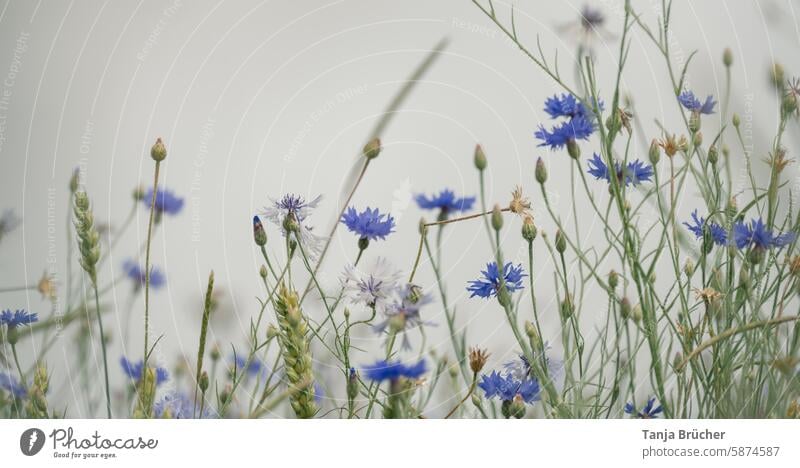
[{"x": 31, "y": 441}]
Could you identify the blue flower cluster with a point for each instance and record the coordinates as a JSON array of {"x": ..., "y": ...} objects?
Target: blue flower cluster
[
  {"x": 507, "y": 387},
  {"x": 691, "y": 103},
  {"x": 579, "y": 123},
  {"x": 445, "y": 201},
  {"x": 134, "y": 371},
  {"x": 17, "y": 318},
  {"x": 369, "y": 224},
  {"x": 137, "y": 275},
  {"x": 394, "y": 370},
  {"x": 11, "y": 385},
  {"x": 488, "y": 285},
  {"x": 650, "y": 410},
  {"x": 635, "y": 172},
  {"x": 753, "y": 234},
  {"x": 166, "y": 201}
]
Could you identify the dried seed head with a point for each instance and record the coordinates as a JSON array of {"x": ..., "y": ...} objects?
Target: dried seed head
[{"x": 477, "y": 359}]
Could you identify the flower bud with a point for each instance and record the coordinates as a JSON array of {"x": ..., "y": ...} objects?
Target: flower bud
[
  {"x": 756, "y": 255},
  {"x": 727, "y": 57},
  {"x": 541, "y": 171},
  {"x": 203, "y": 382},
  {"x": 654, "y": 153},
  {"x": 215, "y": 353},
  {"x": 561, "y": 242},
  {"x": 713, "y": 155},
  {"x": 637, "y": 313},
  {"x": 528, "y": 229},
  {"x": 262, "y": 272},
  {"x": 352, "y": 384},
  {"x": 777, "y": 75},
  {"x": 697, "y": 139},
  {"x": 625, "y": 308},
  {"x": 567, "y": 307},
  {"x": 373, "y": 148},
  {"x": 573, "y": 149},
  {"x": 259, "y": 235},
  {"x": 688, "y": 267},
  {"x": 736, "y": 120},
  {"x": 497, "y": 218},
  {"x": 789, "y": 103},
  {"x": 480, "y": 158},
  {"x": 613, "y": 279},
  {"x": 158, "y": 152}
]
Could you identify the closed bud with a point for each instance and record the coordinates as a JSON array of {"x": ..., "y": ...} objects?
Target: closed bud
[
  {"x": 528, "y": 229},
  {"x": 533, "y": 335},
  {"x": 497, "y": 218},
  {"x": 215, "y": 353},
  {"x": 158, "y": 152},
  {"x": 373, "y": 148},
  {"x": 352, "y": 384},
  {"x": 636, "y": 313},
  {"x": 688, "y": 267},
  {"x": 756, "y": 255},
  {"x": 480, "y": 158},
  {"x": 727, "y": 57},
  {"x": 138, "y": 193},
  {"x": 259, "y": 235},
  {"x": 567, "y": 307},
  {"x": 736, "y": 120},
  {"x": 573, "y": 149},
  {"x": 625, "y": 308},
  {"x": 676, "y": 362},
  {"x": 697, "y": 140},
  {"x": 203, "y": 382},
  {"x": 262, "y": 272},
  {"x": 613, "y": 279},
  {"x": 789, "y": 103},
  {"x": 744, "y": 278},
  {"x": 713, "y": 155},
  {"x": 655, "y": 152},
  {"x": 561, "y": 242},
  {"x": 541, "y": 171}
]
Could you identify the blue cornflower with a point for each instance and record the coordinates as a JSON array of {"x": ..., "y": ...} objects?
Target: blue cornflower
[
  {"x": 507, "y": 387},
  {"x": 403, "y": 312},
  {"x": 577, "y": 128},
  {"x": 650, "y": 411},
  {"x": 293, "y": 210},
  {"x": 137, "y": 275},
  {"x": 635, "y": 172},
  {"x": 718, "y": 233},
  {"x": 179, "y": 405},
  {"x": 166, "y": 201},
  {"x": 759, "y": 236},
  {"x": 17, "y": 318},
  {"x": 446, "y": 201},
  {"x": 388, "y": 370},
  {"x": 134, "y": 371},
  {"x": 487, "y": 286},
  {"x": 11, "y": 385},
  {"x": 369, "y": 224},
  {"x": 253, "y": 368},
  {"x": 690, "y": 102},
  {"x": 565, "y": 105}
]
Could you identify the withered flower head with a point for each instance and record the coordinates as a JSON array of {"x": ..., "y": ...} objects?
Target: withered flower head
[
  {"x": 520, "y": 204},
  {"x": 477, "y": 359}
]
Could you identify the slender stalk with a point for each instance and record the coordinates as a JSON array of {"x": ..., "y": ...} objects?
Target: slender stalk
[{"x": 147, "y": 266}]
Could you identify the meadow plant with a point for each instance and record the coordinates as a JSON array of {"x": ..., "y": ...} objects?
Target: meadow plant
[{"x": 697, "y": 317}]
